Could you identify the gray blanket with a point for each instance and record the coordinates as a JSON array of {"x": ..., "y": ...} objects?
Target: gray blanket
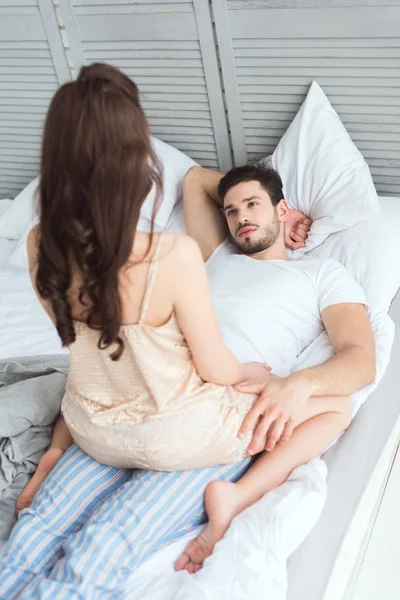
[{"x": 31, "y": 390}]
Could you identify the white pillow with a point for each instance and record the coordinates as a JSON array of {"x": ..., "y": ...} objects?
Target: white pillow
[
  {"x": 175, "y": 164},
  {"x": 5, "y": 204},
  {"x": 370, "y": 252},
  {"x": 323, "y": 173},
  {"x": 20, "y": 219},
  {"x": 15, "y": 220}
]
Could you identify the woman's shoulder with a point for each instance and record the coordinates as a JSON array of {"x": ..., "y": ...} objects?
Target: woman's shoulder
[
  {"x": 184, "y": 247},
  {"x": 185, "y": 256}
]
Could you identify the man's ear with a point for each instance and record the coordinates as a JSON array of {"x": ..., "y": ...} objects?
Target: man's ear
[{"x": 283, "y": 210}]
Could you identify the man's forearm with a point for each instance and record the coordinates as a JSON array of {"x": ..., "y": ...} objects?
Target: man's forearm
[{"x": 343, "y": 374}]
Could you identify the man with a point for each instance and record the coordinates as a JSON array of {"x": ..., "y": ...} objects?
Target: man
[{"x": 269, "y": 309}]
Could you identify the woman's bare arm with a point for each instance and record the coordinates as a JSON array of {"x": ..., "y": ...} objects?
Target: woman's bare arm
[{"x": 197, "y": 318}]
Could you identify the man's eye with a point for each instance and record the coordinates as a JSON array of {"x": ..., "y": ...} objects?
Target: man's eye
[
  {"x": 231, "y": 213},
  {"x": 252, "y": 203}
]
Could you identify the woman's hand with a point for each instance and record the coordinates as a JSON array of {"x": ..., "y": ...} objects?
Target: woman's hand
[
  {"x": 254, "y": 371},
  {"x": 274, "y": 415}
]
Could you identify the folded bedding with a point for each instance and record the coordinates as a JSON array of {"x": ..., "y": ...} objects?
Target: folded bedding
[{"x": 31, "y": 390}]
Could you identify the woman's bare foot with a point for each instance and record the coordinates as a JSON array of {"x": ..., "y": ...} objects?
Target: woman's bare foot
[
  {"x": 46, "y": 463},
  {"x": 223, "y": 501}
]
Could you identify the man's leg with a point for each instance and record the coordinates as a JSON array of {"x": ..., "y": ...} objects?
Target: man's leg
[
  {"x": 74, "y": 488},
  {"x": 147, "y": 512},
  {"x": 325, "y": 418}
]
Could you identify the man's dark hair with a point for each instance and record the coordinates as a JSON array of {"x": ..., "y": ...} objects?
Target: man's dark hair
[{"x": 268, "y": 178}]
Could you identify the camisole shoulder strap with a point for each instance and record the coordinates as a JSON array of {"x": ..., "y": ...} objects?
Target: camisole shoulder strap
[{"x": 151, "y": 276}]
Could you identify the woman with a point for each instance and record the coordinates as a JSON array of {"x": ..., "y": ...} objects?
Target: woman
[{"x": 150, "y": 381}]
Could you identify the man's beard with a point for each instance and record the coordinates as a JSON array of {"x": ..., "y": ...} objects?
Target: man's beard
[{"x": 270, "y": 235}]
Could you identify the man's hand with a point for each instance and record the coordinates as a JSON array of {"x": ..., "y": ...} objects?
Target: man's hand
[
  {"x": 297, "y": 226},
  {"x": 274, "y": 415}
]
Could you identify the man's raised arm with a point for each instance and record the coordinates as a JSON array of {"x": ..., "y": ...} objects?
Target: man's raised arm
[{"x": 203, "y": 218}]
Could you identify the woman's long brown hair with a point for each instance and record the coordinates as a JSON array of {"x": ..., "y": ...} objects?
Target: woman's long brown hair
[{"x": 97, "y": 167}]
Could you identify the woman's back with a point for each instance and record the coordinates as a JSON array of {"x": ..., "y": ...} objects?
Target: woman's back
[
  {"x": 132, "y": 282},
  {"x": 155, "y": 357},
  {"x": 150, "y": 408}
]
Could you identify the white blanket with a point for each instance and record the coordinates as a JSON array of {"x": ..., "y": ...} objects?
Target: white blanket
[{"x": 250, "y": 562}]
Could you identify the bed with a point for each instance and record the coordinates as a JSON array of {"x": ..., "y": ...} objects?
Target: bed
[
  {"x": 238, "y": 70},
  {"x": 355, "y": 485}
]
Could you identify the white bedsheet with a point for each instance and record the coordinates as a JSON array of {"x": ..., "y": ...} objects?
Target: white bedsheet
[
  {"x": 250, "y": 563},
  {"x": 25, "y": 328}
]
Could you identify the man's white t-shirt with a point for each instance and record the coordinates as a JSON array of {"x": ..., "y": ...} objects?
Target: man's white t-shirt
[{"x": 270, "y": 310}]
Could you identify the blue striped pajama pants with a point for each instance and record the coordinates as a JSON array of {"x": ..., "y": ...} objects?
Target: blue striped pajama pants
[{"x": 90, "y": 525}]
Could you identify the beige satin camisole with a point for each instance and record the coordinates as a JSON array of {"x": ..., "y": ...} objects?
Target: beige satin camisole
[{"x": 150, "y": 409}]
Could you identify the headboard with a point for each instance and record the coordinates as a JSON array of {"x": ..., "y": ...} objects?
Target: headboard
[
  {"x": 168, "y": 49},
  {"x": 219, "y": 79},
  {"x": 272, "y": 50}
]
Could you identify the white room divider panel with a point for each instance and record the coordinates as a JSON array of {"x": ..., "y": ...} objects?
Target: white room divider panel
[
  {"x": 259, "y": 66},
  {"x": 271, "y": 51},
  {"x": 32, "y": 65},
  {"x": 168, "y": 49}
]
